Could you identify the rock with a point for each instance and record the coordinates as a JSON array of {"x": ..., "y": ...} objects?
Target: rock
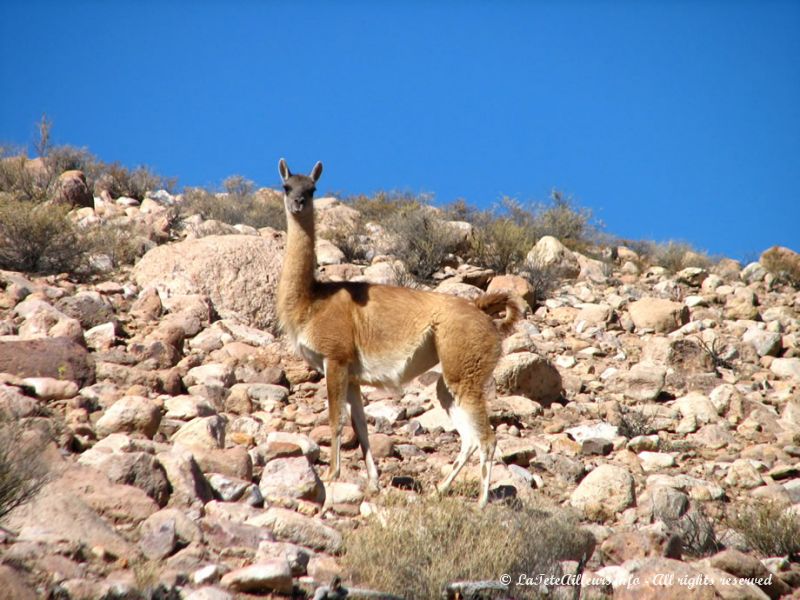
[
  {"x": 655, "y": 461},
  {"x": 385, "y": 412},
  {"x": 782, "y": 262},
  {"x": 435, "y": 418},
  {"x": 698, "y": 406},
  {"x": 101, "y": 337},
  {"x": 753, "y": 273},
  {"x": 293, "y": 527},
  {"x": 765, "y": 343},
  {"x": 683, "y": 355},
  {"x": 519, "y": 406},
  {"x": 238, "y": 273},
  {"x": 231, "y": 489},
  {"x": 189, "y": 486},
  {"x": 47, "y": 388},
  {"x": 130, "y": 414},
  {"x": 138, "y": 469},
  {"x": 744, "y": 473},
  {"x": 582, "y": 433},
  {"x": 13, "y": 586},
  {"x": 308, "y": 447},
  {"x": 186, "y": 408},
  {"x": 89, "y": 308},
  {"x": 659, "y": 578},
  {"x": 342, "y": 492},
  {"x": 644, "y": 543},
  {"x": 208, "y": 593},
  {"x": 158, "y": 542},
  {"x": 291, "y": 478},
  {"x": 786, "y": 367},
  {"x": 529, "y": 375},
  {"x": 233, "y": 462},
  {"x": 592, "y": 269},
  {"x": 459, "y": 289},
  {"x": 58, "y": 358},
  {"x": 72, "y": 190},
  {"x": 215, "y": 374},
  {"x": 662, "y": 316},
  {"x": 743, "y": 304},
  {"x": 642, "y": 383},
  {"x": 549, "y": 253},
  {"x": 57, "y": 513},
  {"x": 202, "y": 432},
  {"x": 604, "y": 492},
  {"x": 742, "y": 565},
  {"x": 693, "y": 276},
  {"x": 514, "y": 284},
  {"x": 664, "y": 503},
  {"x": 269, "y": 576},
  {"x": 327, "y": 253}
]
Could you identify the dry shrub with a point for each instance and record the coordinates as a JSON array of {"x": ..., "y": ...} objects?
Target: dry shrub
[
  {"x": 503, "y": 237},
  {"x": 783, "y": 264},
  {"x": 697, "y": 533},
  {"x": 351, "y": 238},
  {"x": 39, "y": 238},
  {"x": 236, "y": 204},
  {"x": 562, "y": 219},
  {"x": 769, "y": 527},
  {"x": 21, "y": 178},
  {"x": 428, "y": 542},
  {"x": 122, "y": 243},
  {"x": 383, "y": 205},
  {"x": 23, "y": 472},
  {"x": 421, "y": 240},
  {"x": 673, "y": 256},
  {"x": 119, "y": 181}
]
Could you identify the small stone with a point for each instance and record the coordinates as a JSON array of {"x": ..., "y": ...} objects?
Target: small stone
[
  {"x": 269, "y": 576},
  {"x": 604, "y": 492},
  {"x": 655, "y": 461}
]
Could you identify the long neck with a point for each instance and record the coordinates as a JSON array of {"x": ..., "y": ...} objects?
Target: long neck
[{"x": 299, "y": 266}]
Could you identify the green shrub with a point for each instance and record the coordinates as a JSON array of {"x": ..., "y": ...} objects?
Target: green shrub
[
  {"x": 22, "y": 471},
  {"x": 770, "y": 528},
  {"x": 424, "y": 544},
  {"x": 238, "y": 203},
  {"x": 39, "y": 238}
]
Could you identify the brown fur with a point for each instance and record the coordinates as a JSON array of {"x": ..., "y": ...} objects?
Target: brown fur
[{"x": 360, "y": 333}]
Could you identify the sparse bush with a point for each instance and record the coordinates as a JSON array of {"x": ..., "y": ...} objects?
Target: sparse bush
[
  {"x": 383, "y": 205},
  {"x": 238, "y": 203},
  {"x": 21, "y": 178},
  {"x": 351, "y": 239},
  {"x": 39, "y": 238},
  {"x": 561, "y": 219},
  {"x": 118, "y": 241},
  {"x": 697, "y": 533},
  {"x": 22, "y": 470},
  {"x": 420, "y": 547},
  {"x": 503, "y": 237},
  {"x": 783, "y": 264},
  {"x": 633, "y": 423},
  {"x": 544, "y": 280},
  {"x": 421, "y": 240},
  {"x": 769, "y": 527},
  {"x": 119, "y": 181},
  {"x": 673, "y": 256}
]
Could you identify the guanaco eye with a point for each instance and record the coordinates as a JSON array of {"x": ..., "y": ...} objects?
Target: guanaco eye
[{"x": 286, "y": 188}]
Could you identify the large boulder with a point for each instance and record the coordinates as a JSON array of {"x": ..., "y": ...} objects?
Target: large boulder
[
  {"x": 604, "y": 492},
  {"x": 527, "y": 374},
  {"x": 72, "y": 190},
  {"x": 549, "y": 253},
  {"x": 238, "y": 273},
  {"x": 661, "y": 315},
  {"x": 59, "y": 358}
]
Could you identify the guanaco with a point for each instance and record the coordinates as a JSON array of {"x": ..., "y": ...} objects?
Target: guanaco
[{"x": 359, "y": 333}]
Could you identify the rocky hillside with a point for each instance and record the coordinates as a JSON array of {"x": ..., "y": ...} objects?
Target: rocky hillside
[{"x": 184, "y": 440}]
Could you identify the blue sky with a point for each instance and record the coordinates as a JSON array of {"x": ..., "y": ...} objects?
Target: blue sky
[{"x": 670, "y": 120}]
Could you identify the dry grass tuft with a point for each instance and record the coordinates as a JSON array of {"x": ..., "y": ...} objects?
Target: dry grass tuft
[
  {"x": 422, "y": 545},
  {"x": 770, "y": 528}
]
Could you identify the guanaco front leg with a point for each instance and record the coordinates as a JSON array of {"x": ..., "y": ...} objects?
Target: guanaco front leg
[
  {"x": 336, "y": 377},
  {"x": 359, "y": 420}
]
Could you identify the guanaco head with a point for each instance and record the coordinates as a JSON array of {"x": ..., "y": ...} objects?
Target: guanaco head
[{"x": 299, "y": 189}]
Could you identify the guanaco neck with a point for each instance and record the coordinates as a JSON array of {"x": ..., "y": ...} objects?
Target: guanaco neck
[{"x": 296, "y": 285}]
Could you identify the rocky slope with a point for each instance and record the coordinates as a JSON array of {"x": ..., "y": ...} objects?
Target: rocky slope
[{"x": 186, "y": 440}]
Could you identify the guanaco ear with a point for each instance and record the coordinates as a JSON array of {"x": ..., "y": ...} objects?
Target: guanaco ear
[
  {"x": 316, "y": 172},
  {"x": 284, "y": 170}
]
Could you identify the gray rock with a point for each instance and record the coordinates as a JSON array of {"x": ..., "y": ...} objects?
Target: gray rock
[
  {"x": 766, "y": 343},
  {"x": 291, "y": 478},
  {"x": 643, "y": 382},
  {"x": 293, "y": 527},
  {"x": 273, "y": 575},
  {"x": 203, "y": 432},
  {"x": 130, "y": 414},
  {"x": 156, "y": 543},
  {"x": 239, "y": 273},
  {"x": 604, "y": 492},
  {"x": 529, "y": 375},
  {"x": 662, "y": 316}
]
